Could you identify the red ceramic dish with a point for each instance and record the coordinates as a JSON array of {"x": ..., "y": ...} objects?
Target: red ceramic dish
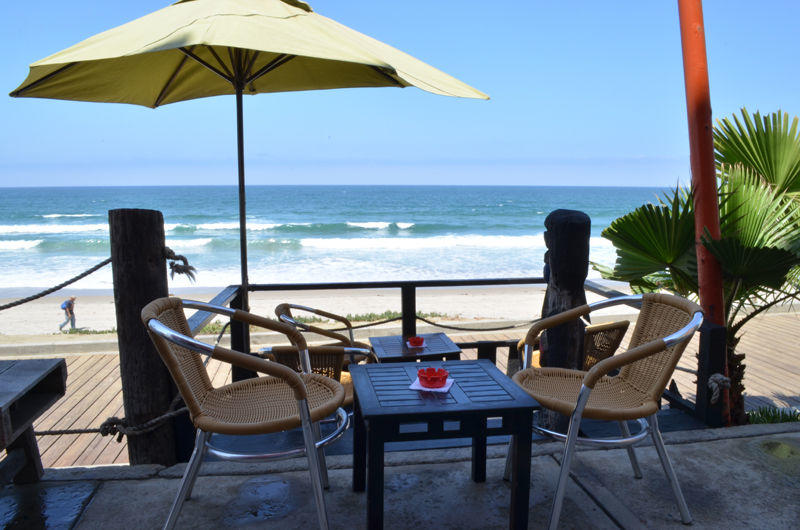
[
  {"x": 416, "y": 341},
  {"x": 432, "y": 377}
]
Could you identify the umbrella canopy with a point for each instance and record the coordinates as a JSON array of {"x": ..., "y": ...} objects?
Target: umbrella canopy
[{"x": 200, "y": 48}]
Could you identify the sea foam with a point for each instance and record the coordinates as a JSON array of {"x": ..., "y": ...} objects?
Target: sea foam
[
  {"x": 53, "y": 229},
  {"x": 19, "y": 244}
]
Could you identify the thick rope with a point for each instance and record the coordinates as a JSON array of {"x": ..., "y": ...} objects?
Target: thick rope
[
  {"x": 462, "y": 328},
  {"x": 178, "y": 268},
  {"x": 57, "y": 287},
  {"x": 175, "y": 268},
  {"x": 120, "y": 426},
  {"x": 716, "y": 383}
]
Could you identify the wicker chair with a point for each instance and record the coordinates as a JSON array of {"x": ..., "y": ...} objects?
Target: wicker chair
[
  {"x": 330, "y": 360},
  {"x": 665, "y": 325},
  {"x": 600, "y": 341},
  {"x": 282, "y": 401}
]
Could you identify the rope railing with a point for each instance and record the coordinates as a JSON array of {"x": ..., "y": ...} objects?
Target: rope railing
[
  {"x": 169, "y": 255},
  {"x": 56, "y": 287}
]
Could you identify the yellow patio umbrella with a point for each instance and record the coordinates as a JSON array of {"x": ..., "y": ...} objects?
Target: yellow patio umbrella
[{"x": 201, "y": 48}]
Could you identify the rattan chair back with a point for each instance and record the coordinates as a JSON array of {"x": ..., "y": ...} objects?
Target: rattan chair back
[
  {"x": 323, "y": 361},
  {"x": 185, "y": 366},
  {"x": 600, "y": 341},
  {"x": 660, "y": 316}
]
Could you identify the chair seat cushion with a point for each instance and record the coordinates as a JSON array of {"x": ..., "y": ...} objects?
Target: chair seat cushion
[
  {"x": 612, "y": 398},
  {"x": 265, "y": 404},
  {"x": 347, "y": 383}
]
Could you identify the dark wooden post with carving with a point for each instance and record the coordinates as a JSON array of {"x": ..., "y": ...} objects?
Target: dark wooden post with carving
[
  {"x": 140, "y": 276},
  {"x": 567, "y": 258}
]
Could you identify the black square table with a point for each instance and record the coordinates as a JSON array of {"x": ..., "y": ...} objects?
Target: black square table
[
  {"x": 393, "y": 349},
  {"x": 383, "y": 404}
]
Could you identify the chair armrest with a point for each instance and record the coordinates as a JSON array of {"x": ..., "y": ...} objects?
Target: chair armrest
[
  {"x": 284, "y": 313},
  {"x": 285, "y": 309},
  {"x": 320, "y": 350},
  {"x": 294, "y": 336},
  {"x": 618, "y": 361},
  {"x": 255, "y": 364},
  {"x": 552, "y": 321}
]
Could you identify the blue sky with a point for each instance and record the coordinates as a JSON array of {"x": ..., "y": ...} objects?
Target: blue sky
[{"x": 583, "y": 93}]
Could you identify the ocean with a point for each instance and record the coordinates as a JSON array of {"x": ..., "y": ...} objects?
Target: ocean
[{"x": 299, "y": 234}]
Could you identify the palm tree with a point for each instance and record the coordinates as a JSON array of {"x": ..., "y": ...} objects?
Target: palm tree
[{"x": 759, "y": 247}]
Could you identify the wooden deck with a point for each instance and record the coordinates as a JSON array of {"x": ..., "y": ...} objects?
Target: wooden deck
[{"x": 94, "y": 390}]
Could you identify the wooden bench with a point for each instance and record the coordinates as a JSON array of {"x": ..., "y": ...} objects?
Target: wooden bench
[{"x": 27, "y": 389}]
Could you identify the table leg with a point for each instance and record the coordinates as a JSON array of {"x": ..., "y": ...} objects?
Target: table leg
[
  {"x": 32, "y": 471},
  {"x": 359, "y": 448},
  {"x": 521, "y": 471},
  {"x": 479, "y": 453},
  {"x": 374, "y": 477}
]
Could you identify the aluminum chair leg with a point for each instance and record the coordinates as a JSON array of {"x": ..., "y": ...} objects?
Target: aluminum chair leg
[
  {"x": 189, "y": 477},
  {"x": 637, "y": 472},
  {"x": 313, "y": 464},
  {"x": 686, "y": 517},
  {"x": 323, "y": 466},
  {"x": 569, "y": 451}
]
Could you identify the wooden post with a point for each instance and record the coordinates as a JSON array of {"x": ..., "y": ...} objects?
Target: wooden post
[
  {"x": 408, "y": 304},
  {"x": 567, "y": 240},
  {"x": 140, "y": 276}
]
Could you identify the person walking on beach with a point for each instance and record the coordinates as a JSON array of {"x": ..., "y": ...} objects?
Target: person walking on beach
[{"x": 69, "y": 312}]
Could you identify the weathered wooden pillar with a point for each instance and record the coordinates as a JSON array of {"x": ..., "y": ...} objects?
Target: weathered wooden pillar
[
  {"x": 140, "y": 276},
  {"x": 567, "y": 258}
]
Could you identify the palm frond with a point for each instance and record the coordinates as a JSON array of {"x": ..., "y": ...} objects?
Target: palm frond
[
  {"x": 654, "y": 239},
  {"x": 768, "y": 145}
]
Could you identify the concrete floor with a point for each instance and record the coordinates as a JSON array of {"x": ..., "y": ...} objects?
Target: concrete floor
[{"x": 741, "y": 477}]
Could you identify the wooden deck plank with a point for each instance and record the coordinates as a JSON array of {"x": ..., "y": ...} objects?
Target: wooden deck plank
[
  {"x": 76, "y": 379},
  {"x": 94, "y": 417},
  {"x": 84, "y": 416},
  {"x": 90, "y": 392},
  {"x": 77, "y": 389},
  {"x": 98, "y": 445}
]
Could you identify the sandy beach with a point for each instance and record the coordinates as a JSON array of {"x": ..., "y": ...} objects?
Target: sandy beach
[{"x": 95, "y": 311}]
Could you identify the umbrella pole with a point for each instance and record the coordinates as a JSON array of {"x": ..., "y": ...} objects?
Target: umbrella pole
[{"x": 242, "y": 201}]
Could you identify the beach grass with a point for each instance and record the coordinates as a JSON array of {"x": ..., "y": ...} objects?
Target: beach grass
[{"x": 86, "y": 331}]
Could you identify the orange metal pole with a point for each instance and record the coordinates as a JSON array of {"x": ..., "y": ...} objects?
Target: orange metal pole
[
  {"x": 704, "y": 181},
  {"x": 701, "y": 146}
]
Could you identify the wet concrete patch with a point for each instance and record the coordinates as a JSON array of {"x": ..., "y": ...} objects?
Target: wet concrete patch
[
  {"x": 260, "y": 500},
  {"x": 44, "y": 505}
]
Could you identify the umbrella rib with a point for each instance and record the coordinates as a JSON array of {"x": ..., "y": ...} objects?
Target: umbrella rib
[
  {"x": 41, "y": 80},
  {"x": 251, "y": 63},
  {"x": 275, "y": 63},
  {"x": 234, "y": 57},
  {"x": 219, "y": 61},
  {"x": 204, "y": 63},
  {"x": 387, "y": 76},
  {"x": 163, "y": 93}
]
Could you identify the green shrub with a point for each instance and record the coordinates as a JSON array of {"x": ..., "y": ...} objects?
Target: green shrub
[
  {"x": 84, "y": 331},
  {"x": 772, "y": 414}
]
